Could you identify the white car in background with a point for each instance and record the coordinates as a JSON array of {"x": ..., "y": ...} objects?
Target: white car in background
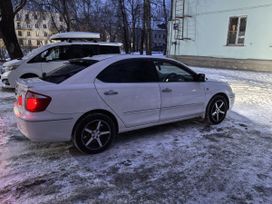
[
  {"x": 49, "y": 57},
  {"x": 91, "y": 100}
]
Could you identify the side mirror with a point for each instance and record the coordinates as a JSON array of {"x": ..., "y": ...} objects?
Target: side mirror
[{"x": 201, "y": 77}]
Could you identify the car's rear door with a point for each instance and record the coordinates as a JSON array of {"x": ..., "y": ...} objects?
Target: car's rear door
[
  {"x": 131, "y": 90},
  {"x": 182, "y": 96}
]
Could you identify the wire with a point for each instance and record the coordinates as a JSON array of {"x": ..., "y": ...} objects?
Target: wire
[{"x": 236, "y": 9}]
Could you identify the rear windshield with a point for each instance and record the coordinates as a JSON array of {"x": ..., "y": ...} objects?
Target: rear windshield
[{"x": 66, "y": 71}]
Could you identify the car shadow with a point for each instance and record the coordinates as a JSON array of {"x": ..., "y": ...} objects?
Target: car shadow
[{"x": 182, "y": 128}]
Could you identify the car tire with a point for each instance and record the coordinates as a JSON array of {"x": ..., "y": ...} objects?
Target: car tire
[
  {"x": 216, "y": 110},
  {"x": 94, "y": 133}
]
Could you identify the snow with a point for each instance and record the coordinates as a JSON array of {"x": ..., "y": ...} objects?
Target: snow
[{"x": 182, "y": 162}]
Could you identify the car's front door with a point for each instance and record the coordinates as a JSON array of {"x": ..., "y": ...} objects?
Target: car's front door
[
  {"x": 181, "y": 95},
  {"x": 131, "y": 90}
]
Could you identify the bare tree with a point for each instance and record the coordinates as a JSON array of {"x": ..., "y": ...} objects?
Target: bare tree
[
  {"x": 147, "y": 27},
  {"x": 125, "y": 26},
  {"x": 135, "y": 14},
  {"x": 165, "y": 17},
  {"x": 7, "y": 29}
]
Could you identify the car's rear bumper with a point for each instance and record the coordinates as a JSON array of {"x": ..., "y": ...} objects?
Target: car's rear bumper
[{"x": 45, "y": 130}]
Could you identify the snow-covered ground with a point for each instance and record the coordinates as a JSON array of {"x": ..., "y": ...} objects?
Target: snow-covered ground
[{"x": 176, "y": 163}]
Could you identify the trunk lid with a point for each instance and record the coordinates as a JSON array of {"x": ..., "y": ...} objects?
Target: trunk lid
[{"x": 24, "y": 85}]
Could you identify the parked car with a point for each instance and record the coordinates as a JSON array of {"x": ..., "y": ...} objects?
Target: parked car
[
  {"x": 49, "y": 57},
  {"x": 91, "y": 100}
]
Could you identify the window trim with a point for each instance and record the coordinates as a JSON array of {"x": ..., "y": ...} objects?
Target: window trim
[{"x": 236, "y": 44}]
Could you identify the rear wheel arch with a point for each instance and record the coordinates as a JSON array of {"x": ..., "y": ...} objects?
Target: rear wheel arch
[{"x": 101, "y": 111}]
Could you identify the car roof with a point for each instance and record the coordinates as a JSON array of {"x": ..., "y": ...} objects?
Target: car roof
[
  {"x": 117, "y": 57},
  {"x": 86, "y": 43},
  {"x": 75, "y": 35}
]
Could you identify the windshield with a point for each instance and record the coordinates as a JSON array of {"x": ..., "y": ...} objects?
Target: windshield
[{"x": 68, "y": 70}]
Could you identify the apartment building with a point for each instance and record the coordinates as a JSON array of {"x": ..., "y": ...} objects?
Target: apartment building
[
  {"x": 220, "y": 33},
  {"x": 33, "y": 28}
]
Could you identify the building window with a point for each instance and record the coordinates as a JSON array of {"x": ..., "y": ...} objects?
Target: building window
[
  {"x": 38, "y": 42},
  {"x": 28, "y": 33},
  {"x": 61, "y": 19},
  {"x": 29, "y": 42},
  {"x": 44, "y": 17},
  {"x": 21, "y": 42},
  {"x": 44, "y": 26},
  {"x": 36, "y": 25},
  {"x": 18, "y": 17},
  {"x": 27, "y": 17},
  {"x": 18, "y": 25},
  {"x": 237, "y": 30},
  {"x": 20, "y": 33},
  {"x": 35, "y": 16},
  {"x": 45, "y": 34},
  {"x": 28, "y": 26}
]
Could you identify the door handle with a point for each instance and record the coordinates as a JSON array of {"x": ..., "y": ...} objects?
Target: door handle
[
  {"x": 110, "y": 92},
  {"x": 167, "y": 90}
]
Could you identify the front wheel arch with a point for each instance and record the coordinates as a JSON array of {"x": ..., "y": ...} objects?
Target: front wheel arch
[{"x": 219, "y": 96}]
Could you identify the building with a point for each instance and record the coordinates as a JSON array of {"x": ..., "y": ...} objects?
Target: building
[
  {"x": 158, "y": 39},
  {"x": 33, "y": 28},
  {"x": 220, "y": 33}
]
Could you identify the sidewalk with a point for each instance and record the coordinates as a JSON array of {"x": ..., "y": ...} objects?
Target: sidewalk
[{"x": 226, "y": 63}]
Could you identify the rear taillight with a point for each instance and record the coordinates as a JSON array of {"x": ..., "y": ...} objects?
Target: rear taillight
[
  {"x": 20, "y": 100},
  {"x": 35, "y": 102}
]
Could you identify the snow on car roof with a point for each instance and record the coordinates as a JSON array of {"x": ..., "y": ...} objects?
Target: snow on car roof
[
  {"x": 121, "y": 56},
  {"x": 75, "y": 35}
]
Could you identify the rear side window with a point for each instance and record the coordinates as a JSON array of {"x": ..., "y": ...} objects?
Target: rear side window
[
  {"x": 129, "y": 71},
  {"x": 68, "y": 70}
]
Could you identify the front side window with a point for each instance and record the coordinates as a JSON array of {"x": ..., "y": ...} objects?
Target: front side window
[
  {"x": 170, "y": 72},
  {"x": 55, "y": 54},
  {"x": 237, "y": 31},
  {"x": 130, "y": 71}
]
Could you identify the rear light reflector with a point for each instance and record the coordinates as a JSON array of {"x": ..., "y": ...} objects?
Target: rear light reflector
[
  {"x": 35, "y": 102},
  {"x": 20, "y": 100}
]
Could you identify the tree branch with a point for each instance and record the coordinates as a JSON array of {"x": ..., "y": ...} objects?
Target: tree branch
[{"x": 19, "y": 6}]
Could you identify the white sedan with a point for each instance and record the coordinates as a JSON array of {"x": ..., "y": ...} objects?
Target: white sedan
[{"x": 91, "y": 100}]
